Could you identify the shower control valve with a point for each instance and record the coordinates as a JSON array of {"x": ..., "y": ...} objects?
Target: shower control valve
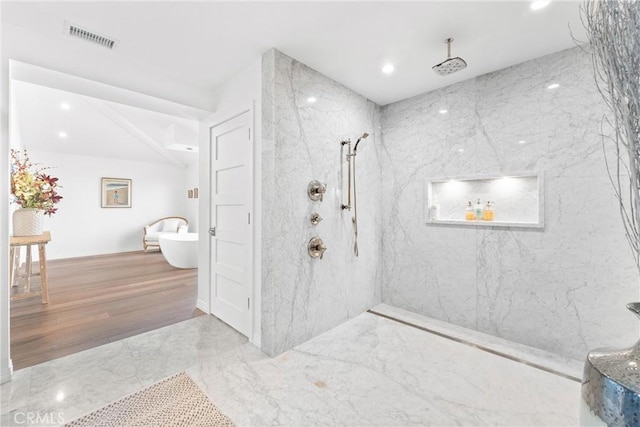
[
  {"x": 316, "y": 190},
  {"x": 315, "y": 218},
  {"x": 316, "y": 247}
]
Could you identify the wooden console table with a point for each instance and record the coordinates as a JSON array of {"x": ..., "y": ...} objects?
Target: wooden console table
[{"x": 16, "y": 243}]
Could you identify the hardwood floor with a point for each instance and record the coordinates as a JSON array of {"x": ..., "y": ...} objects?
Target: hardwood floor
[{"x": 99, "y": 299}]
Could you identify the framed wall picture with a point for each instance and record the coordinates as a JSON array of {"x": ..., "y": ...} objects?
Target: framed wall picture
[{"x": 116, "y": 193}]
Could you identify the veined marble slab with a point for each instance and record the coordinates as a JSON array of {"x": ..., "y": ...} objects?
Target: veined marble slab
[
  {"x": 303, "y": 296},
  {"x": 562, "y": 288}
]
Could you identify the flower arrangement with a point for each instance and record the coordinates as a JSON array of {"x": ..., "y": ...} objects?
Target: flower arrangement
[{"x": 30, "y": 186}]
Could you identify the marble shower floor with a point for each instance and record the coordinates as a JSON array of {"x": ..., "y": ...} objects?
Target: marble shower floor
[{"x": 368, "y": 371}]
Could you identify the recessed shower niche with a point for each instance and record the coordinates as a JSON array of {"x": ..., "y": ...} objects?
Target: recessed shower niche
[{"x": 516, "y": 200}]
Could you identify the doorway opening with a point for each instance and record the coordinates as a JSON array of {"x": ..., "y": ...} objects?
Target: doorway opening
[{"x": 102, "y": 285}]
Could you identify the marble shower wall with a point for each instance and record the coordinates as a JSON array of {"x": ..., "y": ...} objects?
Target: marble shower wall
[
  {"x": 303, "y": 297},
  {"x": 561, "y": 289}
]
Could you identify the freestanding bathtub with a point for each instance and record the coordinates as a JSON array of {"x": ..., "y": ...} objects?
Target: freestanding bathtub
[{"x": 180, "y": 249}]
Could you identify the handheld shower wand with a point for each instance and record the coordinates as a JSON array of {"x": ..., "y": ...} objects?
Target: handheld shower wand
[
  {"x": 351, "y": 160},
  {"x": 364, "y": 135},
  {"x": 348, "y": 157}
]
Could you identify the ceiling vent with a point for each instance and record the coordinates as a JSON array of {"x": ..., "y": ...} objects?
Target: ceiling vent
[{"x": 84, "y": 34}]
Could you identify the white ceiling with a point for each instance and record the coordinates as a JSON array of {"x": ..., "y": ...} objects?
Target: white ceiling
[
  {"x": 182, "y": 51},
  {"x": 97, "y": 127}
]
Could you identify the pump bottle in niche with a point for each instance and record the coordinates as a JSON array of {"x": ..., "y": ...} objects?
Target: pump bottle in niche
[
  {"x": 477, "y": 210},
  {"x": 468, "y": 212},
  {"x": 487, "y": 213}
]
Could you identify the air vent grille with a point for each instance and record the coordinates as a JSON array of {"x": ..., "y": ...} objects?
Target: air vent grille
[{"x": 90, "y": 36}]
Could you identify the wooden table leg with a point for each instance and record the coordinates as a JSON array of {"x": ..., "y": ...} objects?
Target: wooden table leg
[
  {"x": 27, "y": 268},
  {"x": 43, "y": 273},
  {"x": 12, "y": 266},
  {"x": 16, "y": 266}
]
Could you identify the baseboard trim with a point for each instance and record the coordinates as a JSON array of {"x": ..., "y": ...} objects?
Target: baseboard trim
[
  {"x": 7, "y": 372},
  {"x": 256, "y": 340},
  {"x": 202, "y": 305}
]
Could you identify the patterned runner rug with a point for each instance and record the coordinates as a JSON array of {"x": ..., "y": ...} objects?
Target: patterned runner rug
[{"x": 174, "y": 401}]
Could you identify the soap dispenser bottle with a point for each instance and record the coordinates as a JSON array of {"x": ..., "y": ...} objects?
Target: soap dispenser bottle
[
  {"x": 469, "y": 214},
  {"x": 477, "y": 210},
  {"x": 487, "y": 214}
]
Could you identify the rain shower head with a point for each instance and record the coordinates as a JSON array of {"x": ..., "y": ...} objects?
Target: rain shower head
[
  {"x": 449, "y": 65},
  {"x": 364, "y": 135}
]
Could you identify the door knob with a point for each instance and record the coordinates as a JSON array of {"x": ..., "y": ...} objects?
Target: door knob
[{"x": 316, "y": 247}]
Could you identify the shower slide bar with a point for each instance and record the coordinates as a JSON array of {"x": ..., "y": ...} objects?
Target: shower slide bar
[{"x": 351, "y": 178}]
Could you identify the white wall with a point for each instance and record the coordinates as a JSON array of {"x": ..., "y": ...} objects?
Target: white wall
[
  {"x": 192, "y": 205},
  {"x": 81, "y": 227},
  {"x": 237, "y": 95},
  {"x": 5, "y": 359}
]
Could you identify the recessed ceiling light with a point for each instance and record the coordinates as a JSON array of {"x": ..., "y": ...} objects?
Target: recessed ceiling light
[
  {"x": 553, "y": 86},
  {"x": 311, "y": 99},
  {"x": 62, "y": 134},
  {"x": 460, "y": 150},
  {"x": 388, "y": 69},
  {"x": 539, "y": 4},
  {"x": 443, "y": 111},
  {"x": 65, "y": 106},
  {"x": 522, "y": 141}
]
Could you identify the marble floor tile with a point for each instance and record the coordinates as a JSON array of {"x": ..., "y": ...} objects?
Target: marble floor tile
[
  {"x": 368, "y": 371},
  {"x": 374, "y": 371},
  {"x": 66, "y": 388}
]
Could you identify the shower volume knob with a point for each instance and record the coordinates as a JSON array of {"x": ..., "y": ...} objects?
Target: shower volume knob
[
  {"x": 316, "y": 190},
  {"x": 315, "y": 218},
  {"x": 316, "y": 247}
]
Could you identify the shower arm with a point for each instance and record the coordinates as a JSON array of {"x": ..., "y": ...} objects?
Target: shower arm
[{"x": 348, "y": 156}]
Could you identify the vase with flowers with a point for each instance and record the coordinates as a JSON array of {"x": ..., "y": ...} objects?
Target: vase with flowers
[{"x": 34, "y": 191}]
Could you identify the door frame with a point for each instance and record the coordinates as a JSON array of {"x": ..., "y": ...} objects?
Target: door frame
[{"x": 204, "y": 257}]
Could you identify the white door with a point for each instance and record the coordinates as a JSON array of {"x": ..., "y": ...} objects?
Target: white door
[{"x": 231, "y": 192}]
